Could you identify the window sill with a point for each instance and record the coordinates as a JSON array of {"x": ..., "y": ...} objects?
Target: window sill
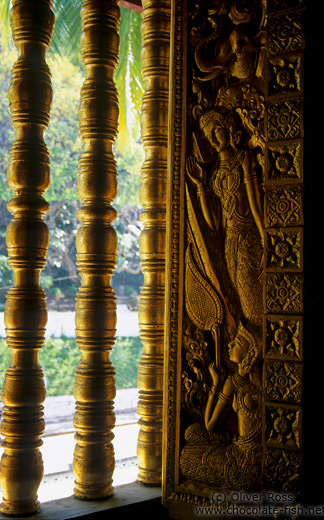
[{"x": 133, "y": 497}]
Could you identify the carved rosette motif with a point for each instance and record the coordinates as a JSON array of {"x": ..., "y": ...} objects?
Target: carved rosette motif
[
  {"x": 284, "y": 162},
  {"x": 283, "y": 337},
  {"x": 283, "y": 380},
  {"x": 30, "y": 96},
  {"x": 283, "y": 466},
  {"x": 96, "y": 245},
  {"x": 283, "y": 426},
  {"x": 152, "y": 242},
  {"x": 284, "y": 206},
  {"x": 283, "y": 249},
  {"x": 282, "y": 372}
]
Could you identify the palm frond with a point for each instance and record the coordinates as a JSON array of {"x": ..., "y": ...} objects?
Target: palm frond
[
  {"x": 66, "y": 42},
  {"x": 67, "y": 31},
  {"x": 128, "y": 78},
  {"x": 5, "y": 33}
]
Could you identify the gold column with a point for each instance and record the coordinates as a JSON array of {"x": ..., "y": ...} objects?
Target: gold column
[
  {"x": 96, "y": 245},
  {"x": 155, "y": 70},
  {"x": 30, "y": 96}
]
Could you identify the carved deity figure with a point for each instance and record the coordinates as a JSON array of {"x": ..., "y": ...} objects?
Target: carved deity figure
[
  {"x": 210, "y": 454},
  {"x": 224, "y": 246},
  {"x": 233, "y": 180},
  {"x": 228, "y": 198}
]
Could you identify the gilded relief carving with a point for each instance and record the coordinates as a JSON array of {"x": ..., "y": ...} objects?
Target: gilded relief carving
[
  {"x": 213, "y": 455},
  {"x": 283, "y": 426},
  {"x": 194, "y": 387},
  {"x": 282, "y": 381},
  {"x": 283, "y": 293},
  {"x": 283, "y": 337},
  {"x": 284, "y": 119},
  {"x": 224, "y": 248},
  {"x": 282, "y": 469},
  {"x": 285, "y": 33},
  {"x": 282, "y": 370},
  {"x": 236, "y": 258},
  {"x": 283, "y": 249},
  {"x": 284, "y": 75},
  {"x": 284, "y": 206},
  {"x": 284, "y": 162}
]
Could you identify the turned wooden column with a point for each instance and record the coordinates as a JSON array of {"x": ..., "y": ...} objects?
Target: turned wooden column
[
  {"x": 30, "y": 96},
  {"x": 96, "y": 245},
  {"x": 154, "y": 122}
]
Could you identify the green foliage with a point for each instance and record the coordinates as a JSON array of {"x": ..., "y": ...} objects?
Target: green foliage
[
  {"x": 66, "y": 43},
  {"x": 7, "y": 132},
  {"x": 67, "y": 29},
  {"x": 62, "y": 137},
  {"x": 60, "y": 356},
  {"x": 6, "y": 278},
  {"x": 125, "y": 356},
  {"x": 64, "y": 144},
  {"x": 127, "y": 224},
  {"x": 128, "y": 78}
]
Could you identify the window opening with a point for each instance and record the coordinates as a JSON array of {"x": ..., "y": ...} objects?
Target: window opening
[{"x": 60, "y": 280}]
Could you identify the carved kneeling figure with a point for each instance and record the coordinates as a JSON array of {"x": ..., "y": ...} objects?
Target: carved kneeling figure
[{"x": 213, "y": 456}]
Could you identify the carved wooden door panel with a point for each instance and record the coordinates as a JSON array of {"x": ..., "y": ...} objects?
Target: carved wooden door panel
[{"x": 235, "y": 240}]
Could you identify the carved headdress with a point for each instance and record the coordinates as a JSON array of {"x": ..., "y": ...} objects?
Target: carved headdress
[
  {"x": 253, "y": 347},
  {"x": 213, "y": 115},
  {"x": 223, "y": 117}
]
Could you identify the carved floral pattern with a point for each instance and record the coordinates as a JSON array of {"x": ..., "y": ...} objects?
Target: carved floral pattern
[
  {"x": 194, "y": 387},
  {"x": 282, "y": 381},
  {"x": 282, "y": 370},
  {"x": 282, "y": 469},
  {"x": 284, "y": 162},
  {"x": 283, "y": 426},
  {"x": 284, "y": 206},
  {"x": 284, "y": 75},
  {"x": 283, "y": 293},
  {"x": 283, "y": 337},
  {"x": 285, "y": 33},
  {"x": 283, "y": 249},
  {"x": 221, "y": 76},
  {"x": 284, "y": 119}
]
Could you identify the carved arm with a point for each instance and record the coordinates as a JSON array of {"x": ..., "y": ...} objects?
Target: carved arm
[
  {"x": 218, "y": 405},
  {"x": 197, "y": 175},
  {"x": 253, "y": 193}
]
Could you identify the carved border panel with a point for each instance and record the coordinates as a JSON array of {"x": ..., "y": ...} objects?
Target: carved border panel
[{"x": 283, "y": 320}]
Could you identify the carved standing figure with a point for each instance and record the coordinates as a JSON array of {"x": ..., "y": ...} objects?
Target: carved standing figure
[
  {"x": 234, "y": 181},
  {"x": 230, "y": 201}
]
